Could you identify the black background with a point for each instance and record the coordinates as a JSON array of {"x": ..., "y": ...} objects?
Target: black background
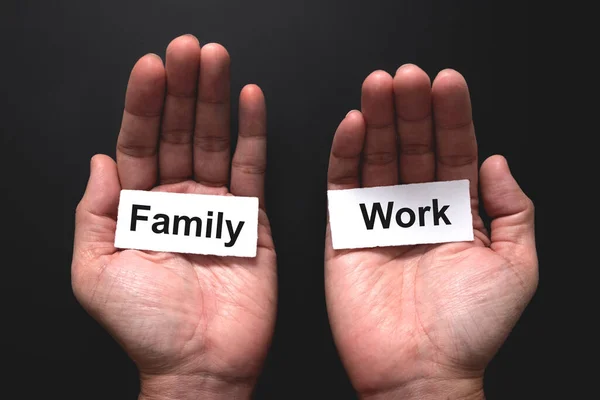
[{"x": 65, "y": 70}]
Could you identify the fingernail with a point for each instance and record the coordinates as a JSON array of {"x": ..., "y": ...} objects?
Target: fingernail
[
  {"x": 192, "y": 36},
  {"x": 350, "y": 112},
  {"x": 445, "y": 71},
  {"x": 407, "y": 65},
  {"x": 154, "y": 55}
]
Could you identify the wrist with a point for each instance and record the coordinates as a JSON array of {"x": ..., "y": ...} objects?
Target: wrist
[
  {"x": 193, "y": 387},
  {"x": 432, "y": 389}
]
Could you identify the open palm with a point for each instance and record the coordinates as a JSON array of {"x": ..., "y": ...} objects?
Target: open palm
[
  {"x": 198, "y": 317},
  {"x": 408, "y": 318}
]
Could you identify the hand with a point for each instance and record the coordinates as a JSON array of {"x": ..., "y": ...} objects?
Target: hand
[
  {"x": 193, "y": 324},
  {"x": 424, "y": 321}
]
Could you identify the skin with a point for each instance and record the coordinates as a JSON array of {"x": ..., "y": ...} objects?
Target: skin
[
  {"x": 424, "y": 321},
  {"x": 196, "y": 326},
  {"x": 409, "y": 322}
]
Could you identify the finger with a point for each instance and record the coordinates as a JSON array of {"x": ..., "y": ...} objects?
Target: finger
[
  {"x": 456, "y": 146},
  {"x": 412, "y": 95},
  {"x": 138, "y": 139},
  {"x": 96, "y": 214},
  {"x": 175, "y": 148},
  {"x": 95, "y": 223},
  {"x": 346, "y": 149},
  {"x": 211, "y": 133},
  {"x": 511, "y": 211},
  {"x": 101, "y": 195},
  {"x": 250, "y": 158},
  {"x": 344, "y": 160},
  {"x": 380, "y": 165}
]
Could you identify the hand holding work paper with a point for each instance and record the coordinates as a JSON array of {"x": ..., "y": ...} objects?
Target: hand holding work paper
[
  {"x": 187, "y": 223},
  {"x": 434, "y": 212}
]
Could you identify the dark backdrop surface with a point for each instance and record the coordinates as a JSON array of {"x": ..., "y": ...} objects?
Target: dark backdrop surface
[{"x": 65, "y": 71}]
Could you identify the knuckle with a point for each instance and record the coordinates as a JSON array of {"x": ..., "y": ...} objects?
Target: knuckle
[
  {"x": 456, "y": 160},
  {"x": 380, "y": 158},
  {"x": 136, "y": 149},
  {"x": 529, "y": 206},
  {"x": 212, "y": 144},
  {"x": 345, "y": 179},
  {"x": 249, "y": 168},
  {"x": 176, "y": 136},
  {"x": 415, "y": 148}
]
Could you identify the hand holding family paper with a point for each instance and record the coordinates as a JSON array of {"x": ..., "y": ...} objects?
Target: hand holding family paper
[
  {"x": 434, "y": 212},
  {"x": 187, "y": 223}
]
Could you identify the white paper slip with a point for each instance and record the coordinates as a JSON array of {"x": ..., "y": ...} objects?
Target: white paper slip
[
  {"x": 434, "y": 212},
  {"x": 187, "y": 223}
]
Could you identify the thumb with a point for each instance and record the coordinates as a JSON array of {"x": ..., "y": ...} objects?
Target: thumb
[
  {"x": 101, "y": 196},
  {"x": 512, "y": 214},
  {"x": 96, "y": 214}
]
